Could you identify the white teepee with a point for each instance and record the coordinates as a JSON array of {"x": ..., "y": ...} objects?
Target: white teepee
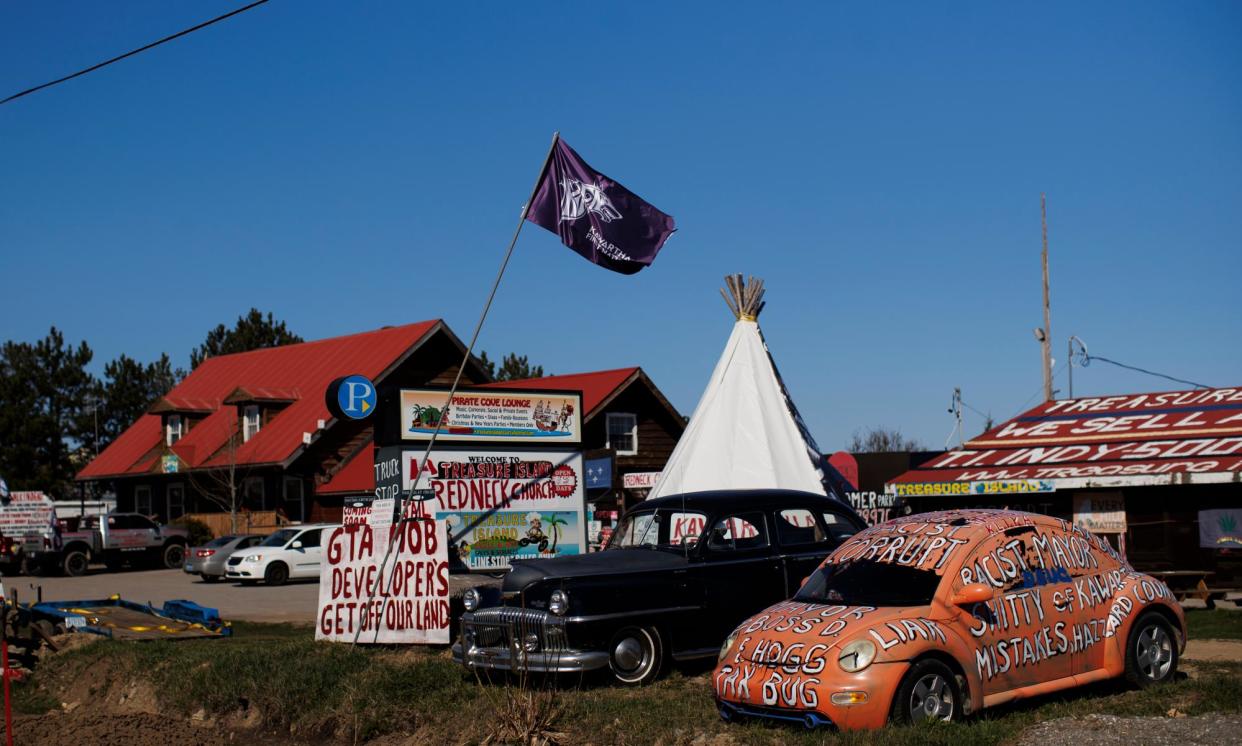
[{"x": 745, "y": 432}]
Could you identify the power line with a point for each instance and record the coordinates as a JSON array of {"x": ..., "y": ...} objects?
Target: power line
[
  {"x": 152, "y": 45},
  {"x": 1088, "y": 358}
]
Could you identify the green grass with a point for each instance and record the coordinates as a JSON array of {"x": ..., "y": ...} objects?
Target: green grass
[
  {"x": 324, "y": 692},
  {"x": 1214, "y": 624}
]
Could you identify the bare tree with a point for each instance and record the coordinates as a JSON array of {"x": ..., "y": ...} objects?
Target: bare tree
[
  {"x": 222, "y": 485},
  {"x": 882, "y": 440}
]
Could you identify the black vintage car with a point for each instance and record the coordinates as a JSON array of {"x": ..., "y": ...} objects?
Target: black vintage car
[{"x": 678, "y": 575}]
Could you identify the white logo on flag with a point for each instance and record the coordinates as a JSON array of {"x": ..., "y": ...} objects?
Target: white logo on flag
[{"x": 578, "y": 199}]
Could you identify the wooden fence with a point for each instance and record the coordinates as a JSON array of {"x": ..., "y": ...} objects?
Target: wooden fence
[{"x": 248, "y": 522}]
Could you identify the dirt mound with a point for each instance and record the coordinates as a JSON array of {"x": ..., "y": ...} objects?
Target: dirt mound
[{"x": 134, "y": 729}]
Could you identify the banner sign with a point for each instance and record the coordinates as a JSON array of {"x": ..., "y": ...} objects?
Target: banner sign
[
  {"x": 505, "y": 505},
  {"x": 411, "y": 596},
  {"x": 28, "y": 517},
  {"x": 641, "y": 480},
  {"x": 492, "y": 415},
  {"x": 1100, "y": 513},
  {"x": 872, "y": 507},
  {"x": 1011, "y": 487},
  {"x": 1220, "y": 529}
]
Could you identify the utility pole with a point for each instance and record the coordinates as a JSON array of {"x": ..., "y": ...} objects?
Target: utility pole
[{"x": 1045, "y": 343}]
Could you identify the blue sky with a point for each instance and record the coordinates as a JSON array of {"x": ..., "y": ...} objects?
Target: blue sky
[{"x": 348, "y": 166}]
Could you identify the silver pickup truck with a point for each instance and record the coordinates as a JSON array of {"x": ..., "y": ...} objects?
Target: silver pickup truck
[{"x": 114, "y": 539}]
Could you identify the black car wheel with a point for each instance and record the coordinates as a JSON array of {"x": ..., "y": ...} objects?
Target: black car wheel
[
  {"x": 636, "y": 655},
  {"x": 928, "y": 692},
  {"x": 209, "y": 578},
  {"x": 174, "y": 556},
  {"x": 1151, "y": 651},
  {"x": 75, "y": 562},
  {"x": 276, "y": 574}
]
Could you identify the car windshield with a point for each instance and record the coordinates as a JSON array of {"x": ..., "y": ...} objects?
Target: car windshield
[
  {"x": 280, "y": 538},
  {"x": 220, "y": 541},
  {"x": 662, "y": 529},
  {"x": 868, "y": 583}
]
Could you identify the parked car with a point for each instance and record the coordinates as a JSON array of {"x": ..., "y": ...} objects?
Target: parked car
[
  {"x": 208, "y": 561},
  {"x": 293, "y": 552},
  {"x": 677, "y": 576},
  {"x": 939, "y": 615},
  {"x": 115, "y": 539}
]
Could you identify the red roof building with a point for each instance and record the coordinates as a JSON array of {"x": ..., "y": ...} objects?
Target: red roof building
[
  {"x": 255, "y": 426},
  {"x": 1152, "y": 468}
]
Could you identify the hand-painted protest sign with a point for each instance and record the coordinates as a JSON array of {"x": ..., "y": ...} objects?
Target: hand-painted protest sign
[
  {"x": 501, "y": 506},
  {"x": 28, "y": 518},
  {"x": 406, "y": 603},
  {"x": 495, "y": 416}
]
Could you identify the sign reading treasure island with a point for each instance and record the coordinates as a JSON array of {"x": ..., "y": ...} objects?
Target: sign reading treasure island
[{"x": 495, "y": 416}]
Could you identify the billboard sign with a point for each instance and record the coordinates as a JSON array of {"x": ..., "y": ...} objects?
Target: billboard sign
[
  {"x": 499, "y": 506},
  {"x": 495, "y": 416}
]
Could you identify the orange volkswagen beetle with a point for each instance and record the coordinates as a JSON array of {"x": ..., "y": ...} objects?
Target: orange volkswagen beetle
[{"x": 939, "y": 615}]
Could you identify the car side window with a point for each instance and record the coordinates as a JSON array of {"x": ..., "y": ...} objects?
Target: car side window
[
  {"x": 796, "y": 526},
  {"x": 738, "y": 532},
  {"x": 252, "y": 542},
  {"x": 137, "y": 521},
  {"x": 310, "y": 538},
  {"x": 839, "y": 528}
]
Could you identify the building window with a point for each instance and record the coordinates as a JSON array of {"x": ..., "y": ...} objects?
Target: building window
[
  {"x": 142, "y": 499},
  {"x": 293, "y": 499},
  {"x": 253, "y": 493},
  {"x": 250, "y": 422},
  {"x": 623, "y": 433},
  {"x": 172, "y": 429},
  {"x": 176, "y": 501}
]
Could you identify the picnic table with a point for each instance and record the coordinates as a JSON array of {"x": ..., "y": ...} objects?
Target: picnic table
[{"x": 1194, "y": 584}]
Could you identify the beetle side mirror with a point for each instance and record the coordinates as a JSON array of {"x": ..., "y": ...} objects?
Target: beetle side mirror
[
  {"x": 803, "y": 583},
  {"x": 975, "y": 593},
  {"x": 296, "y": 545}
]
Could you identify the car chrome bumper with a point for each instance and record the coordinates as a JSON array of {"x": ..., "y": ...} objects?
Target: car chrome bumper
[
  {"x": 508, "y": 639},
  {"x": 502, "y": 659}
]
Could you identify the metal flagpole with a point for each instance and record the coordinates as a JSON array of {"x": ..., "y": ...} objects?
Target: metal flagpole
[{"x": 418, "y": 477}]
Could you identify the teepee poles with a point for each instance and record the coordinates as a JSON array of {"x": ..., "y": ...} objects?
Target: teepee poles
[{"x": 744, "y": 297}]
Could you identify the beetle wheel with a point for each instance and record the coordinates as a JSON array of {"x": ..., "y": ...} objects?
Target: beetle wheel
[
  {"x": 1151, "y": 653},
  {"x": 929, "y": 691}
]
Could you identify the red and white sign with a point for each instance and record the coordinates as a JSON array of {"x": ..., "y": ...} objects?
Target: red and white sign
[
  {"x": 406, "y": 603},
  {"x": 28, "y": 517},
  {"x": 1141, "y": 439},
  {"x": 640, "y": 480}
]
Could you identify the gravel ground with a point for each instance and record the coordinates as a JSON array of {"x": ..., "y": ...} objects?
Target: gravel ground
[{"x": 1106, "y": 730}]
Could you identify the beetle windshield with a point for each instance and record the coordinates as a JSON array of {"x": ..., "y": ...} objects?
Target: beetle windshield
[
  {"x": 867, "y": 583},
  {"x": 279, "y": 538},
  {"x": 661, "y": 529}
]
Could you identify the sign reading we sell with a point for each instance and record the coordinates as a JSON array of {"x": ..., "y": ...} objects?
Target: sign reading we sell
[
  {"x": 492, "y": 415},
  {"x": 407, "y": 603},
  {"x": 499, "y": 506}
]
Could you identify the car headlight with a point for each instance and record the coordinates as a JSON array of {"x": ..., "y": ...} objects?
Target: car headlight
[
  {"x": 856, "y": 656},
  {"x": 470, "y": 599},
  {"x": 728, "y": 643},
  {"x": 254, "y": 558},
  {"x": 558, "y": 603}
]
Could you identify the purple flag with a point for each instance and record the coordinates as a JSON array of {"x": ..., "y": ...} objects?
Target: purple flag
[{"x": 597, "y": 217}]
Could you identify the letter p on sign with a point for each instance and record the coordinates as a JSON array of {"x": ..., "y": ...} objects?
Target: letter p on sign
[{"x": 352, "y": 397}]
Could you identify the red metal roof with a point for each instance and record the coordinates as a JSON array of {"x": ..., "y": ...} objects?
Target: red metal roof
[
  {"x": 356, "y": 476},
  {"x": 305, "y": 369},
  {"x": 596, "y": 387},
  {"x": 1136, "y": 439}
]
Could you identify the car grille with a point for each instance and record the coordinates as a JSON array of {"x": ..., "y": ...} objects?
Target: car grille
[
  {"x": 234, "y": 561},
  {"x": 506, "y": 627}
]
